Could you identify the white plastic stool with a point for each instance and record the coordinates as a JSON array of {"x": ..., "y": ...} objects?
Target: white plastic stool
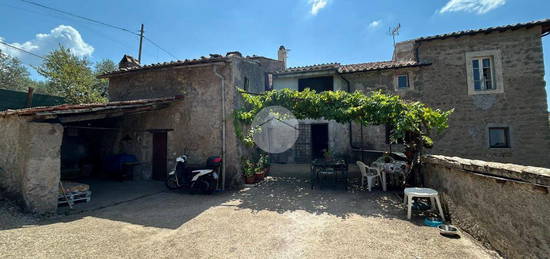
[{"x": 410, "y": 193}]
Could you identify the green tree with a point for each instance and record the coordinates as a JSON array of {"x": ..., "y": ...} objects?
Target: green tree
[
  {"x": 71, "y": 77},
  {"x": 102, "y": 67},
  {"x": 13, "y": 75}
]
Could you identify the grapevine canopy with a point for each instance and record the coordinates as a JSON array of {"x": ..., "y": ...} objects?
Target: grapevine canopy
[{"x": 408, "y": 119}]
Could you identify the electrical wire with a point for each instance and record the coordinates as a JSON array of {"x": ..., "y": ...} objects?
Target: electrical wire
[
  {"x": 78, "y": 16},
  {"x": 20, "y": 49},
  {"x": 152, "y": 42},
  {"x": 99, "y": 23}
]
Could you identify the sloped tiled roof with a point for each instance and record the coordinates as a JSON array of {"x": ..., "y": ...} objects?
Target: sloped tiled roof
[
  {"x": 373, "y": 66},
  {"x": 352, "y": 68},
  {"x": 66, "y": 109},
  {"x": 212, "y": 58},
  {"x": 545, "y": 23},
  {"x": 311, "y": 68}
]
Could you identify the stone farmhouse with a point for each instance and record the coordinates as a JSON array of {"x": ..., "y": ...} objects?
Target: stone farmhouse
[
  {"x": 157, "y": 112},
  {"x": 493, "y": 78}
]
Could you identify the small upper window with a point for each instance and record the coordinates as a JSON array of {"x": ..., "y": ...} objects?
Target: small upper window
[
  {"x": 319, "y": 84},
  {"x": 482, "y": 69},
  {"x": 499, "y": 137},
  {"x": 403, "y": 81},
  {"x": 484, "y": 72}
]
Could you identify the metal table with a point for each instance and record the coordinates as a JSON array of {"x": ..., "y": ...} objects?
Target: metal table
[{"x": 322, "y": 165}]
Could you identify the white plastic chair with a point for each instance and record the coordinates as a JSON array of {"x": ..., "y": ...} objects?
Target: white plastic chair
[{"x": 367, "y": 172}]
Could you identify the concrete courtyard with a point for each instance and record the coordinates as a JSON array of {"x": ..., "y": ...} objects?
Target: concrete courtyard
[{"x": 280, "y": 218}]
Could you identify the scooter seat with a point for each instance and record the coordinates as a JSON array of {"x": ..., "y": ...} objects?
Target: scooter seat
[{"x": 203, "y": 171}]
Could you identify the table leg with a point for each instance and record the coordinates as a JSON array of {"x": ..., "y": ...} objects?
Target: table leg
[
  {"x": 409, "y": 207},
  {"x": 384, "y": 183},
  {"x": 440, "y": 208},
  {"x": 432, "y": 203}
]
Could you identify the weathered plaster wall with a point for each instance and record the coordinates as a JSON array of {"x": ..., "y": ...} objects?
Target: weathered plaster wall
[
  {"x": 507, "y": 210},
  {"x": 197, "y": 119},
  {"x": 30, "y": 163},
  {"x": 12, "y": 157},
  {"x": 338, "y": 133},
  {"x": 443, "y": 85}
]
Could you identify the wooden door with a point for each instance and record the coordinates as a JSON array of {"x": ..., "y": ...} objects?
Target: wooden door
[{"x": 160, "y": 157}]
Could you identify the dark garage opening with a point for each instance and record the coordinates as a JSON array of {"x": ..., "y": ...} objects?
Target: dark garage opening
[{"x": 100, "y": 159}]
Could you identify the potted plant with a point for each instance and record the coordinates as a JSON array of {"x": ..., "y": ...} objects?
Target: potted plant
[
  {"x": 259, "y": 172},
  {"x": 327, "y": 155},
  {"x": 248, "y": 168},
  {"x": 387, "y": 158},
  {"x": 263, "y": 163}
]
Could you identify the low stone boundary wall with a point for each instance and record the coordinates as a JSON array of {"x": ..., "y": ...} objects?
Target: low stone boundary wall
[{"x": 506, "y": 206}]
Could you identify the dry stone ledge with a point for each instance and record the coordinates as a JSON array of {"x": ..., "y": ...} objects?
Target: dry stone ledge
[{"x": 529, "y": 174}]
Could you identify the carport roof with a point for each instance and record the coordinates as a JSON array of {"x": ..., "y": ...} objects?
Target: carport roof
[{"x": 93, "y": 108}]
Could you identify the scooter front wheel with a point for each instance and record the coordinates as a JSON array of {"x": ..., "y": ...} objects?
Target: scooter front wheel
[{"x": 172, "y": 182}]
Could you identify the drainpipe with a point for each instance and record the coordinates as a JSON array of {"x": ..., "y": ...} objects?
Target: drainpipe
[
  {"x": 223, "y": 124},
  {"x": 350, "y": 129}
]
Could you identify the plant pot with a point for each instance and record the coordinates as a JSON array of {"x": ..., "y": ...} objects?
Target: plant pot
[
  {"x": 250, "y": 179},
  {"x": 259, "y": 176}
]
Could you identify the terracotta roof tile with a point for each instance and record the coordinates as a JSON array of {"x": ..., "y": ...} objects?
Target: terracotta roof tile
[
  {"x": 372, "y": 66},
  {"x": 351, "y": 68},
  {"x": 212, "y": 58},
  {"x": 311, "y": 68},
  {"x": 545, "y": 23}
]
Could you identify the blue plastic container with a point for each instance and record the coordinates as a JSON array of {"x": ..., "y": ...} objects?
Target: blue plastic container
[{"x": 432, "y": 222}]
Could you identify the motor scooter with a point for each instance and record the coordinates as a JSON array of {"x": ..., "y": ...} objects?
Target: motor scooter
[{"x": 203, "y": 181}]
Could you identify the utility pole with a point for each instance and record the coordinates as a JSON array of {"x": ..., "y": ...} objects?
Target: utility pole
[{"x": 140, "y": 43}]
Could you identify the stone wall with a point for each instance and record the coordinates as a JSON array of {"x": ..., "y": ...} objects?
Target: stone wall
[
  {"x": 197, "y": 120},
  {"x": 522, "y": 106},
  {"x": 504, "y": 205},
  {"x": 30, "y": 163}
]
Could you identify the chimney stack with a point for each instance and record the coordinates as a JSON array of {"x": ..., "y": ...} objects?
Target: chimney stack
[
  {"x": 128, "y": 62},
  {"x": 282, "y": 54}
]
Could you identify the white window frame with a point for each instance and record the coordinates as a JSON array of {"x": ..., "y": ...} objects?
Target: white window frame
[
  {"x": 409, "y": 78},
  {"x": 496, "y": 71}
]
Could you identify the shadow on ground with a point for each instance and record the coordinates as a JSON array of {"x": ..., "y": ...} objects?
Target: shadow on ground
[
  {"x": 289, "y": 189},
  {"x": 286, "y": 190}
]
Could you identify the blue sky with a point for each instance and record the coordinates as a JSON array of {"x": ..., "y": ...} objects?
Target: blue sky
[{"x": 316, "y": 31}]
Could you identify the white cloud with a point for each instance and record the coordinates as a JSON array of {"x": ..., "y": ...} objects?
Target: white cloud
[
  {"x": 472, "y": 6},
  {"x": 375, "y": 24},
  {"x": 317, "y": 5},
  {"x": 43, "y": 43}
]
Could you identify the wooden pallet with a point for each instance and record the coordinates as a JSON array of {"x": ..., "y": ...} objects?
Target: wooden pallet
[{"x": 72, "y": 197}]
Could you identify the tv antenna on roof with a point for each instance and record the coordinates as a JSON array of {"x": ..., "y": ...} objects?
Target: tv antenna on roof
[{"x": 394, "y": 32}]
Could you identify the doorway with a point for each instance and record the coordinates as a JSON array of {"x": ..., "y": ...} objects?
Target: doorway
[
  {"x": 160, "y": 156},
  {"x": 319, "y": 140}
]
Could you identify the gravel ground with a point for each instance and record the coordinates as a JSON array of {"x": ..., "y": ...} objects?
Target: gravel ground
[{"x": 281, "y": 218}]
